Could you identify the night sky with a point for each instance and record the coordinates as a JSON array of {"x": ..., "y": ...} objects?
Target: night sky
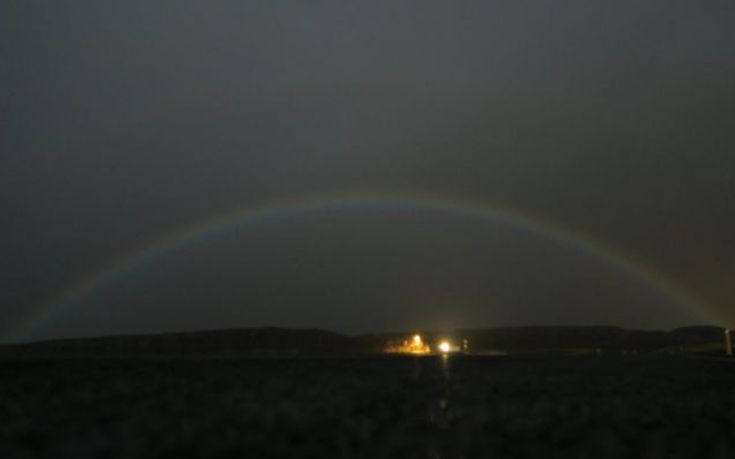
[{"x": 121, "y": 122}]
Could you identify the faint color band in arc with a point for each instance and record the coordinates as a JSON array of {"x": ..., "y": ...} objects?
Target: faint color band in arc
[{"x": 369, "y": 203}]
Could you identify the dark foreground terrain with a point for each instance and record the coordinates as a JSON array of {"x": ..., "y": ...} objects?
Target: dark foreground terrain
[{"x": 402, "y": 407}]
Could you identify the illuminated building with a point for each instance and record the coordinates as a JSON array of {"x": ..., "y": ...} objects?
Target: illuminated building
[
  {"x": 418, "y": 346},
  {"x": 415, "y": 345}
]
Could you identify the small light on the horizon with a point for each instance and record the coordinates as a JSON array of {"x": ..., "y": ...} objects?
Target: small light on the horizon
[
  {"x": 415, "y": 345},
  {"x": 445, "y": 347}
]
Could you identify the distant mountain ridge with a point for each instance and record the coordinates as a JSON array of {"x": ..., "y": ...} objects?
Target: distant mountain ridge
[{"x": 275, "y": 341}]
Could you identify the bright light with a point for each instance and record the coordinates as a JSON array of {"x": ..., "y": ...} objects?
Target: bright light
[
  {"x": 444, "y": 347},
  {"x": 414, "y": 345}
]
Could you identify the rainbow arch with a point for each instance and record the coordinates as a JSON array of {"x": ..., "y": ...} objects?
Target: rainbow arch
[{"x": 443, "y": 207}]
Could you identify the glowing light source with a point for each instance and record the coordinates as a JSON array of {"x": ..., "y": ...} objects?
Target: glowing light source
[
  {"x": 415, "y": 345},
  {"x": 445, "y": 347}
]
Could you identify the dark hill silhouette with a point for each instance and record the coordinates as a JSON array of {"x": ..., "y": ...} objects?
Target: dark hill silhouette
[
  {"x": 254, "y": 341},
  {"x": 698, "y": 334},
  {"x": 274, "y": 342}
]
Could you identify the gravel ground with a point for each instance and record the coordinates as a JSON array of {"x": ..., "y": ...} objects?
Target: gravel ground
[{"x": 471, "y": 407}]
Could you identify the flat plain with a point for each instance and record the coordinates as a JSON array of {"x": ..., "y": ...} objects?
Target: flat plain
[{"x": 369, "y": 407}]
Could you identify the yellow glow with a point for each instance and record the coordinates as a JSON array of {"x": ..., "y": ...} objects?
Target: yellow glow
[
  {"x": 445, "y": 347},
  {"x": 415, "y": 345}
]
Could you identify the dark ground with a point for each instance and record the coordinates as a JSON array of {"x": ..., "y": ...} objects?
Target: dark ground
[{"x": 403, "y": 407}]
